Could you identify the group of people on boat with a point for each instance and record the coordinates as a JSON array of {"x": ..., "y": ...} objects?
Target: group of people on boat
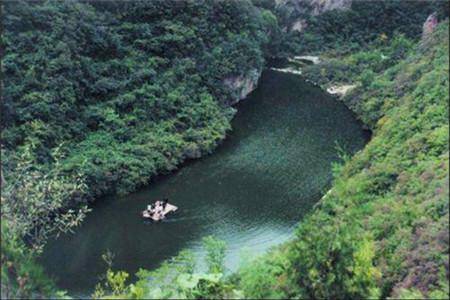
[{"x": 157, "y": 209}]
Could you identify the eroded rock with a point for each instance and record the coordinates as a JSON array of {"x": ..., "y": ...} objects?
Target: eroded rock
[
  {"x": 242, "y": 85},
  {"x": 289, "y": 70},
  {"x": 300, "y": 9},
  {"x": 429, "y": 26},
  {"x": 309, "y": 58},
  {"x": 340, "y": 90}
]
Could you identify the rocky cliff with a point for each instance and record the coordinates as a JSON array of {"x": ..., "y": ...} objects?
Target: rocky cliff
[
  {"x": 429, "y": 26},
  {"x": 242, "y": 85},
  {"x": 299, "y": 10}
]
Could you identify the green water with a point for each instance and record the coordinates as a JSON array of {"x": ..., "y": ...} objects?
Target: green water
[{"x": 269, "y": 172}]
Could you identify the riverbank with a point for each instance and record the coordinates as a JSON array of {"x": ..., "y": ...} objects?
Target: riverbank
[
  {"x": 152, "y": 93},
  {"x": 335, "y": 89},
  {"x": 247, "y": 192},
  {"x": 106, "y": 97},
  {"x": 382, "y": 230},
  {"x": 384, "y": 197}
]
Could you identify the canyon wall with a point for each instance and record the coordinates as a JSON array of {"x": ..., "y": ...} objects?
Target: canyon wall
[
  {"x": 241, "y": 86},
  {"x": 299, "y": 10}
]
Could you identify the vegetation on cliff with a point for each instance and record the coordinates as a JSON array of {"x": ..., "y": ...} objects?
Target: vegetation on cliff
[
  {"x": 383, "y": 230},
  {"x": 126, "y": 90},
  {"x": 99, "y": 97},
  {"x": 345, "y": 31}
]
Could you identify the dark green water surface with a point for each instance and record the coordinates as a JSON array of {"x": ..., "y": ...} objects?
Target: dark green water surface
[{"x": 269, "y": 172}]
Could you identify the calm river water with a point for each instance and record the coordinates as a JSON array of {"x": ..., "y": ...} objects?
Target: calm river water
[{"x": 251, "y": 192}]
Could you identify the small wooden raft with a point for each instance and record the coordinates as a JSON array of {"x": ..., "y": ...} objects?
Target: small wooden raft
[{"x": 159, "y": 215}]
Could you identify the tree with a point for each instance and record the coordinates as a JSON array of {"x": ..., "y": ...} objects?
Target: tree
[{"x": 35, "y": 204}]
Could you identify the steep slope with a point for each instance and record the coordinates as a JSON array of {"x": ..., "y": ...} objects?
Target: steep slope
[
  {"x": 100, "y": 97},
  {"x": 382, "y": 231},
  {"x": 142, "y": 81}
]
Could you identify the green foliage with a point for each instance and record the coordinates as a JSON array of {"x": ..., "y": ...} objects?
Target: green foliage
[
  {"x": 215, "y": 254},
  {"x": 174, "y": 279},
  {"x": 116, "y": 281},
  {"x": 99, "y": 97},
  {"x": 131, "y": 88},
  {"x": 36, "y": 203},
  {"x": 347, "y": 31},
  {"x": 32, "y": 202},
  {"x": 367, "y": 77},
  {"x": 21, "y": 276},
  {"x": 382, "y": 231},
  {"x": 266, "y": 277},
  {"x": 361, "y": 66},
  {"x": 442, "y": 291},
  {"x": 123, "y": 90}
]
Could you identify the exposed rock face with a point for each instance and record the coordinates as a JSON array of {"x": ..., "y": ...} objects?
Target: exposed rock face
[
  {"x": 341, "y": 90},
  {"x": 298, "y": 25},
  {"x": 308, "y": 58},
  {"x": 289, "y": 70},
  {"x": 300, "y": 9},
  {"x": 317, "y": 7},
  {"x": 429, "y": 26},
  {"x": 242, "y": 85}
]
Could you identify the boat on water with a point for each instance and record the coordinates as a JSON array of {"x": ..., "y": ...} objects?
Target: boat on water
[{"x": 159, "y": 210}]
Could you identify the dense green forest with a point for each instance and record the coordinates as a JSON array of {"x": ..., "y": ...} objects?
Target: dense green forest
[
  {"x": 100, "y": 97},
  {"x": 382, "y": 231}
]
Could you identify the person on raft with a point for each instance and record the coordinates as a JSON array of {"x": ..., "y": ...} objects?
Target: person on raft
[
  {"x": 151, "y": 209},
  {"x": 164, "y": 203},
  {"x": 158, "y": 208},
  {"x": 157, "y": 203}
]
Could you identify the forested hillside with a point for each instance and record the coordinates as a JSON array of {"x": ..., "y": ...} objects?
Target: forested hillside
[
  {"x": 382, "y": 231},
  {"x": 125, "y": 90},
  {"x": 100, "y": 97}
]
